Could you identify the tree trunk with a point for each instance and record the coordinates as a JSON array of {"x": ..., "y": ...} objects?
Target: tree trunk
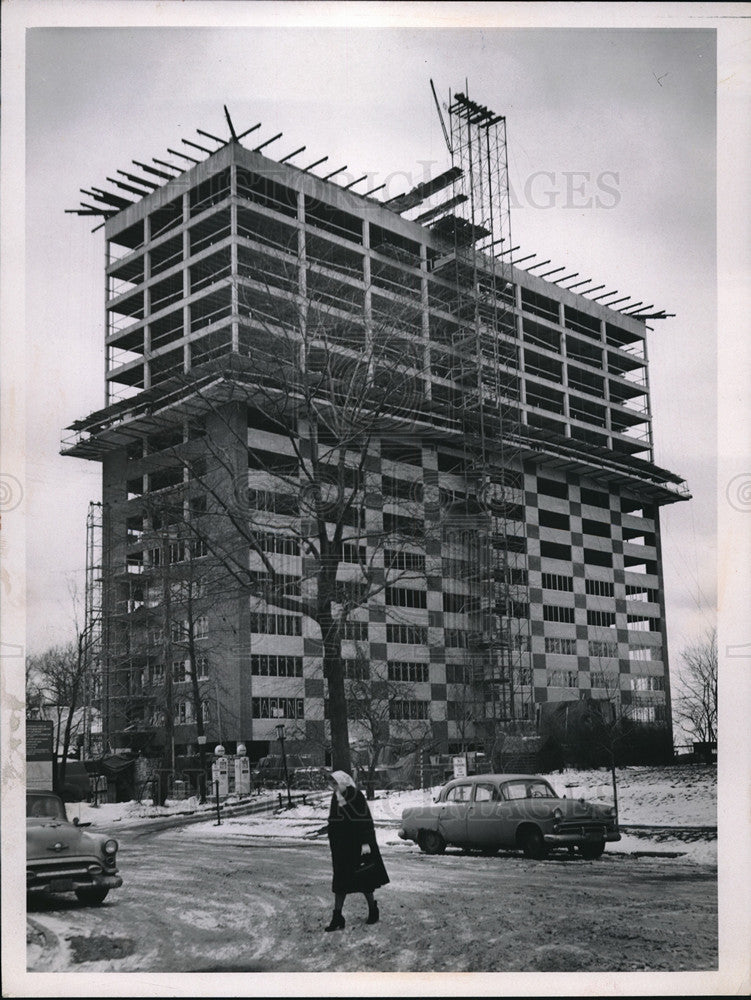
[{"x": 333, "y": 671}]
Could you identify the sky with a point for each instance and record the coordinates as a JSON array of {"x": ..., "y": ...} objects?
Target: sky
[{"x": 612, "y": 149}]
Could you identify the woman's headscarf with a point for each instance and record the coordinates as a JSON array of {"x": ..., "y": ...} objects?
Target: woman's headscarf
[{"x": 343, "y": 780}]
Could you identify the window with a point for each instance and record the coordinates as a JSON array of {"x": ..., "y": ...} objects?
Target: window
[
  {"x": 604, "y": 679},
  {"x": 394, "y": 451},
  {"x": 399, "y": 524},
  {"x": 351, "y": 592},
  {"x": 638, "y": 593},
  {"x": 649, "y": 683},
  {"x": 593, "y": 557},
  {"x": 404, "y": 597},
  {"x": 603, "y": 618},
  {"x": 358, "y": 631},
  {"x": 408, "y": 670},
  {"x": 411, "y": 561},
  {"x": 552, "y": 488},
  {"x": 201, "y": 627},
  {"x": 280, "y": 544},
  {"x": 459, "y": 793},
  {"x": 278, "y": 708},
  {"x": 275, "y": 503},
  {"x": 183, "y": 712},
  {"x": 262, "y": 665},
  {"x": 643, "y": 651},
  {"x": 557, "y": 613},
  {"x": 555, "y": 550},
  {"x": 600, "y": 588},
  {"x": 356, "y": 670},
  {"x": 592, "y": 527},
  {"x": 552, "y": 519},
  {"x": 457, "y": 673},
  {"x": 563, "y": 678},
  {"x": 180, "y": 671},
  {"x": 401, "y": 489},
  {"x": 270, "y": 623},
  {"x": 414, "y": 635},
  {"x": 352, "y": 553},
  {"x": 202, "y": 667},
  {"x": 639, "y": 623},
  {"x": 554, "y": 581},
  {"x": 565, "y": 647},
  {"x": 603, "y": 648},
  {"x": 459, "y": 604},
  {"x": 594, "y": 498},
  {"x": 486, "y": 793},
  {"x": 455, "y": 638},
  {"x": 409, "y": 709}
]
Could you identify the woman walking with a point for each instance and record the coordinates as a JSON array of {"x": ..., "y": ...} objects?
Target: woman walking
[{"x": 355, "y": 857}]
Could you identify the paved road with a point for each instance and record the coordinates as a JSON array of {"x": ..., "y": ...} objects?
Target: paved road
[{"x": 195, "y": 903}]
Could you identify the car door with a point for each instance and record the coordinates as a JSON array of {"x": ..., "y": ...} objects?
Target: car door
[
  {"x": 484, "y": 816},
  {"x": 512, "y": 797},
  {"x": 452, "y": 813}
]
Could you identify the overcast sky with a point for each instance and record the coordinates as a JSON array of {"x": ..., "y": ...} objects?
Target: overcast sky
[{"x": 612, "y": 139}]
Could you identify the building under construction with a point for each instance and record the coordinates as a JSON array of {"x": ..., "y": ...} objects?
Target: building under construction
[{"x": 496, "y": 499}]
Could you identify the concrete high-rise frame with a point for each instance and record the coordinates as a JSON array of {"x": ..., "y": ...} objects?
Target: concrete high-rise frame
[{"x": 196, "y": 271}]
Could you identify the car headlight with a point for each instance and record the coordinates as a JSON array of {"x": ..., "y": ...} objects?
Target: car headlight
[
  {"x": 110, "y": 847},
  {"x": 557, "y": 814}
]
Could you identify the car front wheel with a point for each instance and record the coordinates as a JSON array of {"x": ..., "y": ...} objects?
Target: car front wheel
[
  {"x": 431, "y": 842},
  {"x": 533, "y": 844},
  {"x": 92, "y": 897},
  {"x": 591, "y": 852}
]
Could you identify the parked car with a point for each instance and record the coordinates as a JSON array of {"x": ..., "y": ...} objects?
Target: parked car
[
  {"x": 61, "y": 857},
  {"x": 493, "y": 812},
  {"x": 269, "y": 771}
]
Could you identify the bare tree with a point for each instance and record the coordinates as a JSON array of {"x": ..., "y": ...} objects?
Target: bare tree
[
  {"x": 54, "y": 691},
  {"x": 331, "y": 380},
  {"x": 696, "y": 705}
]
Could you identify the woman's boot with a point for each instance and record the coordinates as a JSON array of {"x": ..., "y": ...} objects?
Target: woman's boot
[
  {"x": 337, "y": 922},
  {"x": 373, "y": 914}
]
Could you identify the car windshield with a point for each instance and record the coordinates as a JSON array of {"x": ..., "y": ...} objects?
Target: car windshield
[{"x": 44, "y": 807}]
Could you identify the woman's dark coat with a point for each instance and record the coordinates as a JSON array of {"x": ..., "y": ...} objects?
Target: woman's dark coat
[{"x": 350, "y": 827}]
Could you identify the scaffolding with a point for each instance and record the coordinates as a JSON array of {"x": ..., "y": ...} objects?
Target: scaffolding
[
  {"x": 91, "y": 637},
  {"x": 486, "y": 347}
]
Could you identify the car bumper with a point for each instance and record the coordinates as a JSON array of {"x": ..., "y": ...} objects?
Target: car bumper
[
  {"x": 69, "y": 883},
  {"x": 572, "y": 838}
]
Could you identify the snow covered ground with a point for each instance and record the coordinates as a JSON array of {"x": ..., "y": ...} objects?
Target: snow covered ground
[{"x": 677, "y": 796}]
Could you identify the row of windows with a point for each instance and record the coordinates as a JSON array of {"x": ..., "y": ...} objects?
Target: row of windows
[
  {"x": 404, "y": 597},
  {"x": 565, "y": 647},
  {"x": 557, "y": 613},
  {"x": 637, "y": 593},
  {"x": 603, "y": 648},
  {"x": 180, "y": 631},
  {"x": 278, "y": 708},
  {"x": 555, "y": 581},
  {"x": 563, "y": 678},
  {"x": 181, "y": 669},
  {"x": 410, "y": 561},
  {"x": 400, "y": 709},
  {"x": 649, "y": 683},
  {"x": 414, "y": 635},
  {"x": 271, "y": 623},
  {"x": 408, "y": 670},
  {"x": 262, "y": 665},
  {"x": 600, "y": 588},
  {"x": 283, "y": 545},
  {"x": 642, "y": 651}
]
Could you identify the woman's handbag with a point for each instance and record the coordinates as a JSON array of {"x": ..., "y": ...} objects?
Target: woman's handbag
[{"x": 366, "y": 864}]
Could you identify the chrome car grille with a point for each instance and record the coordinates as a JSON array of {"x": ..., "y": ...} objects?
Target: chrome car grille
[
  {"x": 585, "y": 829},
  {"x": 63, "y": 869}
]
